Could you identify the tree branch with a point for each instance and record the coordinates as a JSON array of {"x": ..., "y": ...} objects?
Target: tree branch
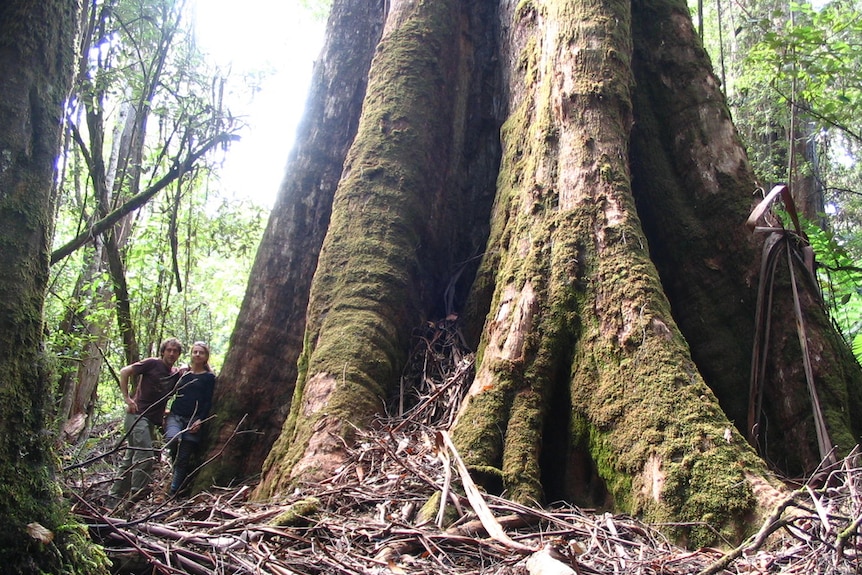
[{"x": 139, "y": 200}]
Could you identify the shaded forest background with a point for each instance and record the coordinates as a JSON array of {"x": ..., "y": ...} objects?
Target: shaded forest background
[{"x": 149, "y": 244}]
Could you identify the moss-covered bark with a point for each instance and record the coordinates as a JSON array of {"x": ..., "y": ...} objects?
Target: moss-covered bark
[
  {"x": 36, "y": 49},
  {"x": 384, "y": 253},
  {"x": 614, "y": 306},
  {"x": 259, "y": 373},
  {"x": 693, "y": 191},
  {"x": 579, "y": 309}
]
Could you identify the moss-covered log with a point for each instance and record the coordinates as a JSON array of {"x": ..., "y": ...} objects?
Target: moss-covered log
[{"x": 36, "y": 58}]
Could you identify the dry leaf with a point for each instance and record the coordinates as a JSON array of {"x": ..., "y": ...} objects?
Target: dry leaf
[{"x": 39, "y": 533}]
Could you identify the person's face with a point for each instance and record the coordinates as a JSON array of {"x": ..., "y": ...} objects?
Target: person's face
[
  {"x": 199, "y": 356},
  {"x": 171, "y": 355}
]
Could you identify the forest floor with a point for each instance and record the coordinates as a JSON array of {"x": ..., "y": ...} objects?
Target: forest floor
[
  {"x": 404, "y": 503},
  {"x": 367, "y": 520}
]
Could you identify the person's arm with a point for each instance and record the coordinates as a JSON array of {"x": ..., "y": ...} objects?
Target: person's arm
[{"x": 125, "y": 374}]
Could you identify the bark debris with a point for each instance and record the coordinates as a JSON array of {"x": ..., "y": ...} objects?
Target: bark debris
[
  {"x": 381, "y": 512},
  {"x": 368, "y": 519}
]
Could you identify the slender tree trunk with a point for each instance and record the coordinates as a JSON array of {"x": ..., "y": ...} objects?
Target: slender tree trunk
[
  {"x": 36, "y": 64},
  {"x": 79, "y": 386},
  {"x": 806, "y": 179}
]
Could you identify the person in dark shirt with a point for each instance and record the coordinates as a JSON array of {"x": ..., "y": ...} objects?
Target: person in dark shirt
[
  {"x": 190, "y": 408},
  {"x": 145, "y": 409}
]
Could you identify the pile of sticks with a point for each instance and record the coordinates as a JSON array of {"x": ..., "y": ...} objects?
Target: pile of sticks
[{"x": 405, "y": 503}]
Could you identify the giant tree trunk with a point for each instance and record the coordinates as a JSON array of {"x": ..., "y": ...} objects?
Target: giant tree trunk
[
  {"x": 259, "y": 373},
  {"x": 36, "y": 59},
  {"x": 615, "y": 304},
  {"x": 399, "y": 227}
]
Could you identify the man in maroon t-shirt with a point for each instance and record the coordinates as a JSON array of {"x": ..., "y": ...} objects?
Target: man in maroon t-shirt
[{"x": 145, "y": 409}]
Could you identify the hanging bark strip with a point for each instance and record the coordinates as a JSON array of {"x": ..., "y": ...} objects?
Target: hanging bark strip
[{"x": 798, "y": 251}]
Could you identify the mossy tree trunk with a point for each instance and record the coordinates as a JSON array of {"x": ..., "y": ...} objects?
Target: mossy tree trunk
[
  {"x": 36, "y": 64},
  {"x": 259, "y": 372},
  {"x": 614, "y": 306},
  {"x": 692, "y": 202},
  {"x": 390, "y": 251}
]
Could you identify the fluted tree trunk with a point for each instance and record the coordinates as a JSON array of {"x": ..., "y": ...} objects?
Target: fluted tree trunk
[
  {"x": 387, "y": 254},
  {"x": 614, "y": 307}
]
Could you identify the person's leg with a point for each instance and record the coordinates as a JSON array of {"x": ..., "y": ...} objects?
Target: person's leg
[
  {"x": 173, "y": 427},
  {"x": 143, "y": 458},
  {"x": 181, "y": 465},
  {"x": 122, "y": 484}
]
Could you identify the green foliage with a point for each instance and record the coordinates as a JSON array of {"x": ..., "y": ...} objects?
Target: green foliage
[
  {"x": 145, "y": 100},
  {"x": 841, "y": 281},
  {"x": 819, "y": 51},
  {"x": 802, "y": 63},
  {"x": 317, "y": 8},
  {"x": 215, "y": 256}
]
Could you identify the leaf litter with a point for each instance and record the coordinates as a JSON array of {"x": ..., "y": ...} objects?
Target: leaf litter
[{"x": 404, "y": 503}]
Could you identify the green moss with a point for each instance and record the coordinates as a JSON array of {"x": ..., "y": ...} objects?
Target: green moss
[
  {"x": 428, "y": 512},
  {"x": 705, "y": 493},
  {"x": 478, "y": 436},
  {"x": 521, "y": 472},
  {"x": 610, "y": 469},
  {"x": 525, "y": 9},
  {"x": 298, "y": 513},
  {"x": 371, "y": 283}
]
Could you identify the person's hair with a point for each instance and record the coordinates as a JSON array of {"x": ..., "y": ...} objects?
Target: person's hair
[
  {"x": 207, "y": 349},
  {"x": 171, "y": 341}
]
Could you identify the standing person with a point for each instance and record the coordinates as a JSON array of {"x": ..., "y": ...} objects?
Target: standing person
[
  {"x": 145, "y": 410},
  {"x": 191, "y": 406}
]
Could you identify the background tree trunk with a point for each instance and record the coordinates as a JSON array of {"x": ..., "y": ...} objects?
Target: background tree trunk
[
  {"x": 36, "y": 64},
  {"x": 259, "y": 372},
  {"x": 614, "y": 308}
]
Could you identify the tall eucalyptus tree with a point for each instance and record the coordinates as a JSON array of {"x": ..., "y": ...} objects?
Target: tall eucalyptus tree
[{"x": 585, "y": 150}]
